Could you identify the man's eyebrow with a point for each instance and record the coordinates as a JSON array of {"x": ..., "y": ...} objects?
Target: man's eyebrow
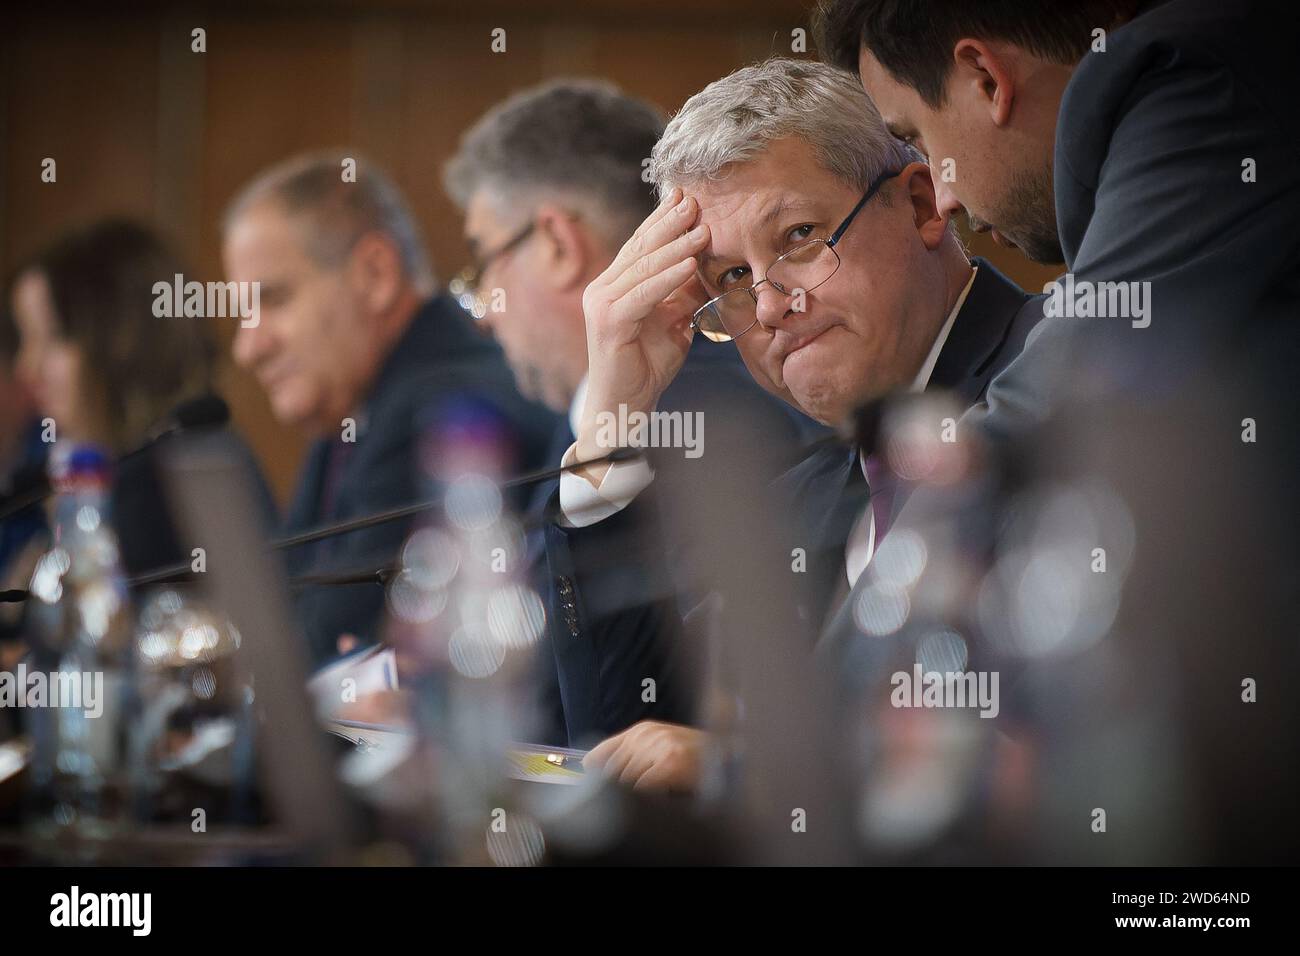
[
  {"x": 705, "y": 263},
  {"x": 784, "y": 205}
]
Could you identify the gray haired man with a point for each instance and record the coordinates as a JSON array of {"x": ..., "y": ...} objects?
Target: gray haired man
[
  {"x": 551, "y": 184},
  {"x": 552, "y": 181},
  {"x": 796, "y": 228}
]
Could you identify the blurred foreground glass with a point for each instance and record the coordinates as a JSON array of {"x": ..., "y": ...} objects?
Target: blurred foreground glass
[{"x": 192, "y": 734}]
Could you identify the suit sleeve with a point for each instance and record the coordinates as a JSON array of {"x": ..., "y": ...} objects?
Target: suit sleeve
[
  {"x": 622, "y": 589},
  {"x": 328, "y": 611},
  {"x": 1170, "y": 203},
  {"x": 1198, "y": 194}
]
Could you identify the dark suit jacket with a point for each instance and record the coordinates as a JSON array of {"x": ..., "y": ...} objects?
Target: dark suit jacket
[
  {"x": 828, "y": 489},
  {"x": 619, "y": 590},
  {"x": 440, "y": 365},
  {"x": 1152, "y": 145},
  {"x": 23, "y": 472}
]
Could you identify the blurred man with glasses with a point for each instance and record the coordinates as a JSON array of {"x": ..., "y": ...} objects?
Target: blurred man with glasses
[
  {"x": 796, "y": 228},
  {"x": 552, "y": 181}
]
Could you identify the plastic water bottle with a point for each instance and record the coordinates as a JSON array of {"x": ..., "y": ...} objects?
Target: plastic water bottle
[
  {"x": 466, "y": 622},
  {"x": 82, "y": 639}
]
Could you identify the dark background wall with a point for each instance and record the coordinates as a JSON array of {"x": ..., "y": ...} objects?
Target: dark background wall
[{"x": 140, "y": 124}]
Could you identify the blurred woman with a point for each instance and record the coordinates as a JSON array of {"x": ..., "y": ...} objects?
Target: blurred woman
[{"x": 108, "y": 371}]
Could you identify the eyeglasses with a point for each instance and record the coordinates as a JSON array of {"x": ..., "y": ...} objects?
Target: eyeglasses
[
  {"x": 802, "y": 269},
  {"x": 465, "y": 285}
]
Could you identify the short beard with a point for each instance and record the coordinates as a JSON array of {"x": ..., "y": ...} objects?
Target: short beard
[{"x": 1029, "y": 217}]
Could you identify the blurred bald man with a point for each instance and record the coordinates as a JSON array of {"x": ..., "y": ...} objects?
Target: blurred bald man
[{"x": 352, "y": 329}]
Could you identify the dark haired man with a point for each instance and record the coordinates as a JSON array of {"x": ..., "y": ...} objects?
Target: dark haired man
[{"x": 1149, "y": 146}]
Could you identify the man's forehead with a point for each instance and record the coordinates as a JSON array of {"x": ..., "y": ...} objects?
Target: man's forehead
[
  {"x": 758, "y": 193},
  {"x": 737, "y": 210},
  {"x": 268, "y": 228},
  {"x": 271, "y": 247},
  {"x": 893, "y": 100},
  {"x": 720, "y": 200},
  {"x": 762, "y": 192},
  {"x": 871, "y": 71}
]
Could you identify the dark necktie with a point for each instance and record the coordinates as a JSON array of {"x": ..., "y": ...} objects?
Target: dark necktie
[
  {"x": 336, "y": 461},
  {"x": 883, "y": 485}
]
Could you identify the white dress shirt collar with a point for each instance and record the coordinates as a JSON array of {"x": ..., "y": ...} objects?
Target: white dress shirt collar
[{"x": 931, "y": 360}]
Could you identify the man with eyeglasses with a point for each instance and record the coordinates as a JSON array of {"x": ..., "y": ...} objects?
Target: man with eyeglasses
[
  {"x": 551, "y": 182},
  {"x": 795, "y": 227}
]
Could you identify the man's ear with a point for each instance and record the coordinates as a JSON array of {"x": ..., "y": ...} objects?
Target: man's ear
[
  {"x": 566, "y": 243},
  {"x": 375, "y": 272},
  {"x": 984, "y": 73},
  {"x": 917, "y": 185}
]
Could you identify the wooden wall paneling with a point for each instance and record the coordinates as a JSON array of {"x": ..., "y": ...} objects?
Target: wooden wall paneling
[
  {"x": 83, "y": 92},
  {"x": 276, "y": 86}
]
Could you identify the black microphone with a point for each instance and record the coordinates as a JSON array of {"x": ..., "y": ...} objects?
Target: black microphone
[
  {"x": 860, "y": 428},
  {"x": 405, "y": 511},
  {"x": 32, "y": 485},
  {"x": 204, "y": 411},
  {"x": 182, "y": 572}
]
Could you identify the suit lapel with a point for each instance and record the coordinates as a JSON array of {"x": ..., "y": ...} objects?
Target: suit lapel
[
  {"x": 540, "y": 498},
  {"x": 967, "y": 362},
  {"x": 304, "y": 508},
  {"x": 826, "y": 491},
  {"x": 978, "y": 335}
]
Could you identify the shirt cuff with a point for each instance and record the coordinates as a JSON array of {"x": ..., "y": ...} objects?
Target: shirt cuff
[{"x": 583, "y": 504}]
